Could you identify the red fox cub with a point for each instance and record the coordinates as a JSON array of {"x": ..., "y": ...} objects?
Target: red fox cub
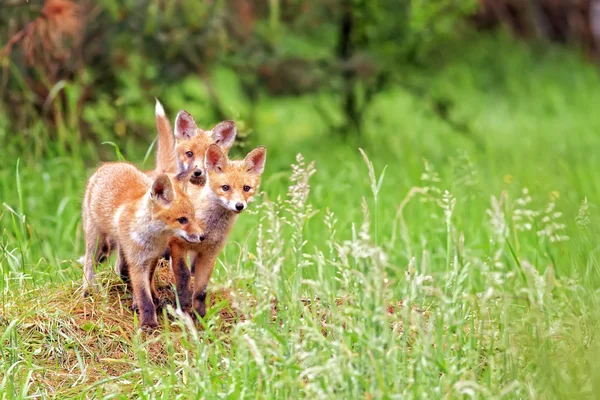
[
  {"x": 177, "y": 152},
  {"x": 189, "y": 142},
  {"x": 123, "y": 205},
  {"x": 230, "y": 186}
]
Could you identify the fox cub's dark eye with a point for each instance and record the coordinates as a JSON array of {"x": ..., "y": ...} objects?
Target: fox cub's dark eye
[
  {"x": 246, "y": 188},
  {"x": 225, "y": 188},
  {"x": 189, "y": 154},
  {"x": 182, "y": 220}
]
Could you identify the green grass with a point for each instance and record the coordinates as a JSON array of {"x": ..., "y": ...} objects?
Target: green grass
[{"x": 446, "y": 282}]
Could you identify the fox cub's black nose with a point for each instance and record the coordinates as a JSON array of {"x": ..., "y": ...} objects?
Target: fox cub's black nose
[
  {"x": 239, "y": 206},
  {"x": 197, "y": 173},
  {"x": 196, "y": 238}
]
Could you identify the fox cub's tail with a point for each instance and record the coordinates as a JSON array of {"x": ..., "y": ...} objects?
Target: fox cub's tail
[{"x": 165, "y": 153}]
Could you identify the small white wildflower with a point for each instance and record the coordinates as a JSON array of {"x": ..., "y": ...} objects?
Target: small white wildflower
[
  {"x": 523, "y": 216},
  {"x": 552, "y": 227},
  {"x": 525, "y": 198},
  {"x": 583, "y": 216},
  {"x": 537, "y": 284},
  {"x": 448, "y": 203},
  {"x": 430, "y": 180},
  {"x": 497, "y": 220},
  {"x": 421, "y": 279}
]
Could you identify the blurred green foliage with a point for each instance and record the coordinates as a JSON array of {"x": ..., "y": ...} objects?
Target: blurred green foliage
[
  {"x": 466, "y": 126},
  {"x": 91, "y": 69}
]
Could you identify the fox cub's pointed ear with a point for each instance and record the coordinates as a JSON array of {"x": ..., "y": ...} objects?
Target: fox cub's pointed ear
[
  {"x": 224, "y": 134},
  {"x": 162, "y": 190},
  {"x": 185, "y": 126},
  {"x": 255, "y": 160},
  {"x": 215, "y": 159}
]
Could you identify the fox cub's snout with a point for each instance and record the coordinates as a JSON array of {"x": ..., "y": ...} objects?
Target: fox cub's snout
[{"x": 176, "y": 210}]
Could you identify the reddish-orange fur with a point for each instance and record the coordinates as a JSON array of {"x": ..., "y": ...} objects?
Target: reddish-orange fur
[
  {"x": 218, "y": 209},
  {"x": 139, "y": 214},
  {"x": 191, "y": 143},
  {"x": 165, "y": 156}
]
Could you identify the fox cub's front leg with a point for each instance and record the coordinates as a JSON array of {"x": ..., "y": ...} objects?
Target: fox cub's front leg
[
  {"x": 182, "y": 275},
  {"x": 203, "y": 268}
]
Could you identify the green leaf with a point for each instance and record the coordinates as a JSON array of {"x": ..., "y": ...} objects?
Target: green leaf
[{"x": 117, "y": 150}]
